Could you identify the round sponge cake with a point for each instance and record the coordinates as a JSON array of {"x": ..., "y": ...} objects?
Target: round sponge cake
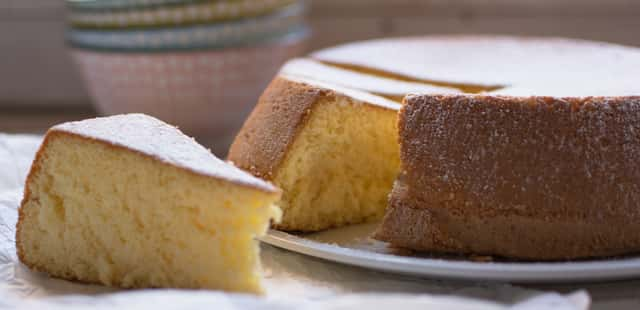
[{"x": 509, "y": 146}]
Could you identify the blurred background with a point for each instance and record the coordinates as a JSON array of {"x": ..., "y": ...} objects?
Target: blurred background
[{"x": 202, "y": 63}]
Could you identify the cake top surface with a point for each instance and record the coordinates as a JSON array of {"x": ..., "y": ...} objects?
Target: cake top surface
[
  {"x": 350, "y": 92},
  {"x": 155, "y": 138},
  {"x": 315, "y": 70},
  {"x": 515, "y": 65}
]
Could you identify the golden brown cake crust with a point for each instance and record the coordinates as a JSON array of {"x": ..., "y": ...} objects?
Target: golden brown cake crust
[
  {"x": 526, "y": 177},
  {"x": 282, "y": 111},
  {"x": 35, "y": 167},
  {"x": 263, "y": 142}
]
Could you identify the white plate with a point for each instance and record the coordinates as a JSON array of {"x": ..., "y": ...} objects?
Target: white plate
[{"x": 351, "y": 245}]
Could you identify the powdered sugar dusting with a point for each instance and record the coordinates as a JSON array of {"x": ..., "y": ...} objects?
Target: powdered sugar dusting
[
  {"x": 315, "y": 70},
  {"x": 524, "y": 66},
  {"x": 150, "y": 136},
  {"x": 354, "y": 93},
  {"x": 533, "y": 177},
  {"x": 526, "y": 155}
]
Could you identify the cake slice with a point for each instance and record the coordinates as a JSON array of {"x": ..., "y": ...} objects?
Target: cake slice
[
  {"x": 333, "y": 150},
  {"x": 130, "y": 201}
]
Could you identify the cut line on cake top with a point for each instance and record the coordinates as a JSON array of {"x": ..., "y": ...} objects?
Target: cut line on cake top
[{"x": 465, "y": 88}]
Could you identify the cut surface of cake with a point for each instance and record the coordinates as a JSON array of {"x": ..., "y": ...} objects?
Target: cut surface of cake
[
  {"x": 130, "y": 201},
  {"x": 564, "y": 109},
  {"x": 332, "y": 149}
]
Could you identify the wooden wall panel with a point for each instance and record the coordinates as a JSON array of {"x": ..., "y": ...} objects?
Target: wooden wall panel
[
  {"x": 35, "y": 66},
  {"x": 477, "y": 8}
]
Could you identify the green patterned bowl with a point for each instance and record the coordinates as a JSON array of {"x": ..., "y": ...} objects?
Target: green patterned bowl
[{"x": 208, "y": 93}]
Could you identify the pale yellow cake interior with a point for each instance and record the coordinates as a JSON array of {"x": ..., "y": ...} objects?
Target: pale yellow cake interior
[
  {"x": 341, "y": 166},
  {"x": 108, "y": 215}
]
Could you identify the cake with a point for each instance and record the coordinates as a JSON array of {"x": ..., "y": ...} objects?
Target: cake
[
  {"x": 335, "y": 124},
  {"x": 130, "y": 201},
  {"x": 333, "y": 151},
  {"x": 534, "y": 178},
  {"x": 514, "y": 147}
]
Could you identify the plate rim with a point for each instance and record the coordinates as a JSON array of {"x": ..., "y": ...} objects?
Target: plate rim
[{"x": 439, "y": 268}]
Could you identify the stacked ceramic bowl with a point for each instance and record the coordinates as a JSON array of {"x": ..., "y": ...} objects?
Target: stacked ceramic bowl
[{"x": 199, "y": 64}]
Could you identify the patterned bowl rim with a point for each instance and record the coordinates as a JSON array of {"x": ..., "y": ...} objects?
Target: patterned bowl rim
[
  {"x": 294, "y": 36},
  {"x": 292, "y": 17},
  {"x": 141, "y": 24},
  {"x": 123, "y": 5},
  {"x": 290, "y": 10}
]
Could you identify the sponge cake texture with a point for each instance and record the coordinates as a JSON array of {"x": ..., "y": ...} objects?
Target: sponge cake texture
[
  {"x": 130, "y": 201},
  {"x": 332, "y": 149}
]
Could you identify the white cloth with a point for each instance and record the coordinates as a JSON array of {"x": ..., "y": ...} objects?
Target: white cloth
[{"x": 292, "y": 281}]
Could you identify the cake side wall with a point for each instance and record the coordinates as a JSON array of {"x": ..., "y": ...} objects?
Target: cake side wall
[
  {"x": 35, "y": 168},
  {"x": 511, "y": 176}
]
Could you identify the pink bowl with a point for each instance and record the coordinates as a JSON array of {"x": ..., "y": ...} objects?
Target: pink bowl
[{"x": 208, "y": 93}]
